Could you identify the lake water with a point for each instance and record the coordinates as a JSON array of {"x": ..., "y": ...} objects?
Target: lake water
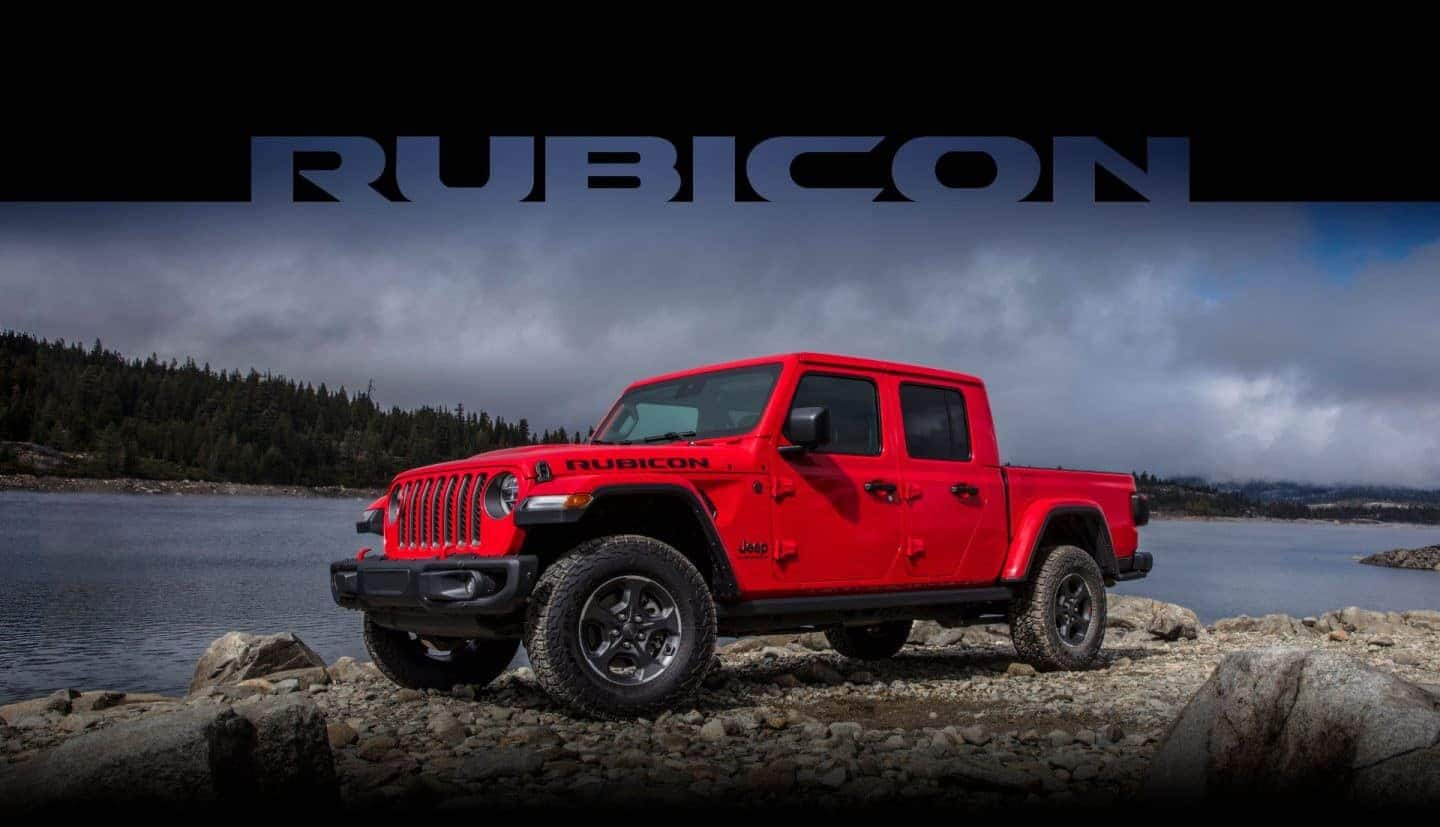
[{"x": 103, "y": 591}]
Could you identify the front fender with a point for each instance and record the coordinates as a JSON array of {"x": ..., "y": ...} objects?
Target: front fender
[{"x": 1031, "y": 527}]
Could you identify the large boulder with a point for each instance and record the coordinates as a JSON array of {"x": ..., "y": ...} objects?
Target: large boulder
[
  {"x": 1164, "y": 621},
  {"x": 291, "y": 756},
  {"x": 239, "y": 656},
  {"x": 1301, "y": 723},
  {"x": 273, "y": 750}
]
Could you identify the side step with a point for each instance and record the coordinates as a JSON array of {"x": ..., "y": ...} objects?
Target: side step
[{"x": 795, "y": 612}]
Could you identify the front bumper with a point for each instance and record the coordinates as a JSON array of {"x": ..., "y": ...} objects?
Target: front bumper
[
  {"x": 461, "y": 586},
  {"x": 1134, "y": 567}
]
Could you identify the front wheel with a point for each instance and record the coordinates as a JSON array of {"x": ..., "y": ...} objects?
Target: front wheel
[
  {"x": 622, "y": 626},
  {"x": 415, "y": 663},
  {"x": 1057, "y": 620}
]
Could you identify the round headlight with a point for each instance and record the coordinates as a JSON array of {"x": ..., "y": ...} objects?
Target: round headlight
[
  {"x": 393, "y": 512},
  {"x": 501, "y": 494}
]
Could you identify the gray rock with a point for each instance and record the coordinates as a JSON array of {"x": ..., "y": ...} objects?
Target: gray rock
[
  {"x": 983, "y": 775},
  {"x": 777, "y": 776},
  {"x": 1427, "y": 619},
  {"x": 1162, "y": 621},
  {"x": 506, "y": 762},
  {"x": 447, "y": 728},
  {"x": 818, "y": 671},
  {"x": 341, "y": 735},
  {"x": 98, "y": 701},
  {"x": 292, "y": 749},
  {"x": 1302, "y": 722},
  {"x": 976, "y": 735},
  {"x": 713, "y": 730},
  {"x": 286, "y": 686},
  {"x": 1280, "y": 625},
  {"x": 60, "y": 701},
  {"x": 377, "y": 747},
  {"x": 238, "y": 656},
  {"x": 930, "y": 633},
  {"x": 305, "y": 677},
  {"x": 815, "y": 642},
  {"x": 349, "y": 670},
  {"x": 207, "y": 752}
]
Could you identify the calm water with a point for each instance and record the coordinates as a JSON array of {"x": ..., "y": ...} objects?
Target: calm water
[{"x": 125, "y": 592}]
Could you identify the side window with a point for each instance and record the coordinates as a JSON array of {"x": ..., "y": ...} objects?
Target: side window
[
  {"x": 935, "y": 425},
  {"x": 854, "y": 411}
]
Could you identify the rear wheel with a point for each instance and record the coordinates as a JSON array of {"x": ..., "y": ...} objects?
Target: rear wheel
[
  {"x": 1057, "y": 620},
  {"x": 622, "y": 626},
  {"x": 438, "y": 663},
  {"x": 876, "y": 642}
]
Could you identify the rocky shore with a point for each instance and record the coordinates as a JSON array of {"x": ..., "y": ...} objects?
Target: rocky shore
[
  {"x": 953, "y": 720},
  {"x": 77, "y": 485},
  {"x": 1406, "y": 558}
]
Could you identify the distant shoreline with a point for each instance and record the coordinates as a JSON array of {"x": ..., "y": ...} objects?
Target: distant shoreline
[
  {"x": 127, "y": 485},
  {"x": 1198, "y": 518}
]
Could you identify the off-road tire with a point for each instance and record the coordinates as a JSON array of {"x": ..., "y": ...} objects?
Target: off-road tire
[
  {"x": 1033, "y": 611},
  {"x": 402, "y": 658},
  {"x": 876, "y": 642},
  {"x": 552, "y": 627}
]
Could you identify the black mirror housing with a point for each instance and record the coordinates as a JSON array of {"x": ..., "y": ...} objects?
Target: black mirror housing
[{"x": 809, "y": 428}]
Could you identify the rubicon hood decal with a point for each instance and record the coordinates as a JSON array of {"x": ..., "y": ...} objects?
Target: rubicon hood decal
[{"x": 637, "y": 463}]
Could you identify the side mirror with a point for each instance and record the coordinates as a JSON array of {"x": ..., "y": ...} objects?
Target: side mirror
[{"x": 808, "y": 428}]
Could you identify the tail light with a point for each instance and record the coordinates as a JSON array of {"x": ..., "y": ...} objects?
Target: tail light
[{"x": 1140, "y": 509}]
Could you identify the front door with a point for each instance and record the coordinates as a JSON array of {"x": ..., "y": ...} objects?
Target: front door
[{"x": 838, "y": 513}]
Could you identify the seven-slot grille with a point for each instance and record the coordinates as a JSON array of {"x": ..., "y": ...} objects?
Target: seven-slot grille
[{"x": 441, "y": 511}]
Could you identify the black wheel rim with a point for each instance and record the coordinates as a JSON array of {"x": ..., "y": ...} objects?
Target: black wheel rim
[
  {"x": 1074, "y": 610},
  {"x": 630, "y": 630}
]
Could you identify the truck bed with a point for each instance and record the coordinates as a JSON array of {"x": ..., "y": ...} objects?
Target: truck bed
[{"x": 1029, "y": 487}]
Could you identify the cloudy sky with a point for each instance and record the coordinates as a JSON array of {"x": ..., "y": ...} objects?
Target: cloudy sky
[{"x": 1232, "y": 341}]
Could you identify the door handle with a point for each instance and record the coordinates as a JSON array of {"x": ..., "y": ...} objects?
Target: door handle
[
  {"x": 881, "y": 485},
  {"x": 962, "y": 489}
]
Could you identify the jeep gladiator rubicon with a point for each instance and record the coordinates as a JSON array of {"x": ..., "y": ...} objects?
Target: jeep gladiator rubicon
[{"x": 787, "y": 493}]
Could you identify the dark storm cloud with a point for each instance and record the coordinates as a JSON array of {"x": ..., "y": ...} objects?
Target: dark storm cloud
[{"x": 1204, "y": 339}]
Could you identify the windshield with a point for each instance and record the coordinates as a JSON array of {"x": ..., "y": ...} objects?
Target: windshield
[{"x": 722, "y": 403}]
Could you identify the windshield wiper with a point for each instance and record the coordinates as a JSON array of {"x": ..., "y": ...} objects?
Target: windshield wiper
[{"x": 669, "y": 436}]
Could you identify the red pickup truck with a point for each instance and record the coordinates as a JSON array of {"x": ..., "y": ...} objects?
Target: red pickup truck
[{"x": 802, "y": 491}]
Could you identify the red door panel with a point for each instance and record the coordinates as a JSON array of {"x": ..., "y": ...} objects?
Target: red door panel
[
  {"x": 828, "y": 527},
  {"x": 955, "y": 505}
]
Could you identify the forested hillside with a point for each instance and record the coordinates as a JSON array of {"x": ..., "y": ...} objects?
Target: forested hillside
[
  {"x": 1195, "y": 497},
  {"x": 104, "y": 416}
]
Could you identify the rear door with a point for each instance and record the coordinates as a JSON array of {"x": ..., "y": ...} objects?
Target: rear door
[
  {"x": 953, "y": 503},
  {"x": 838, "y": 514}
]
